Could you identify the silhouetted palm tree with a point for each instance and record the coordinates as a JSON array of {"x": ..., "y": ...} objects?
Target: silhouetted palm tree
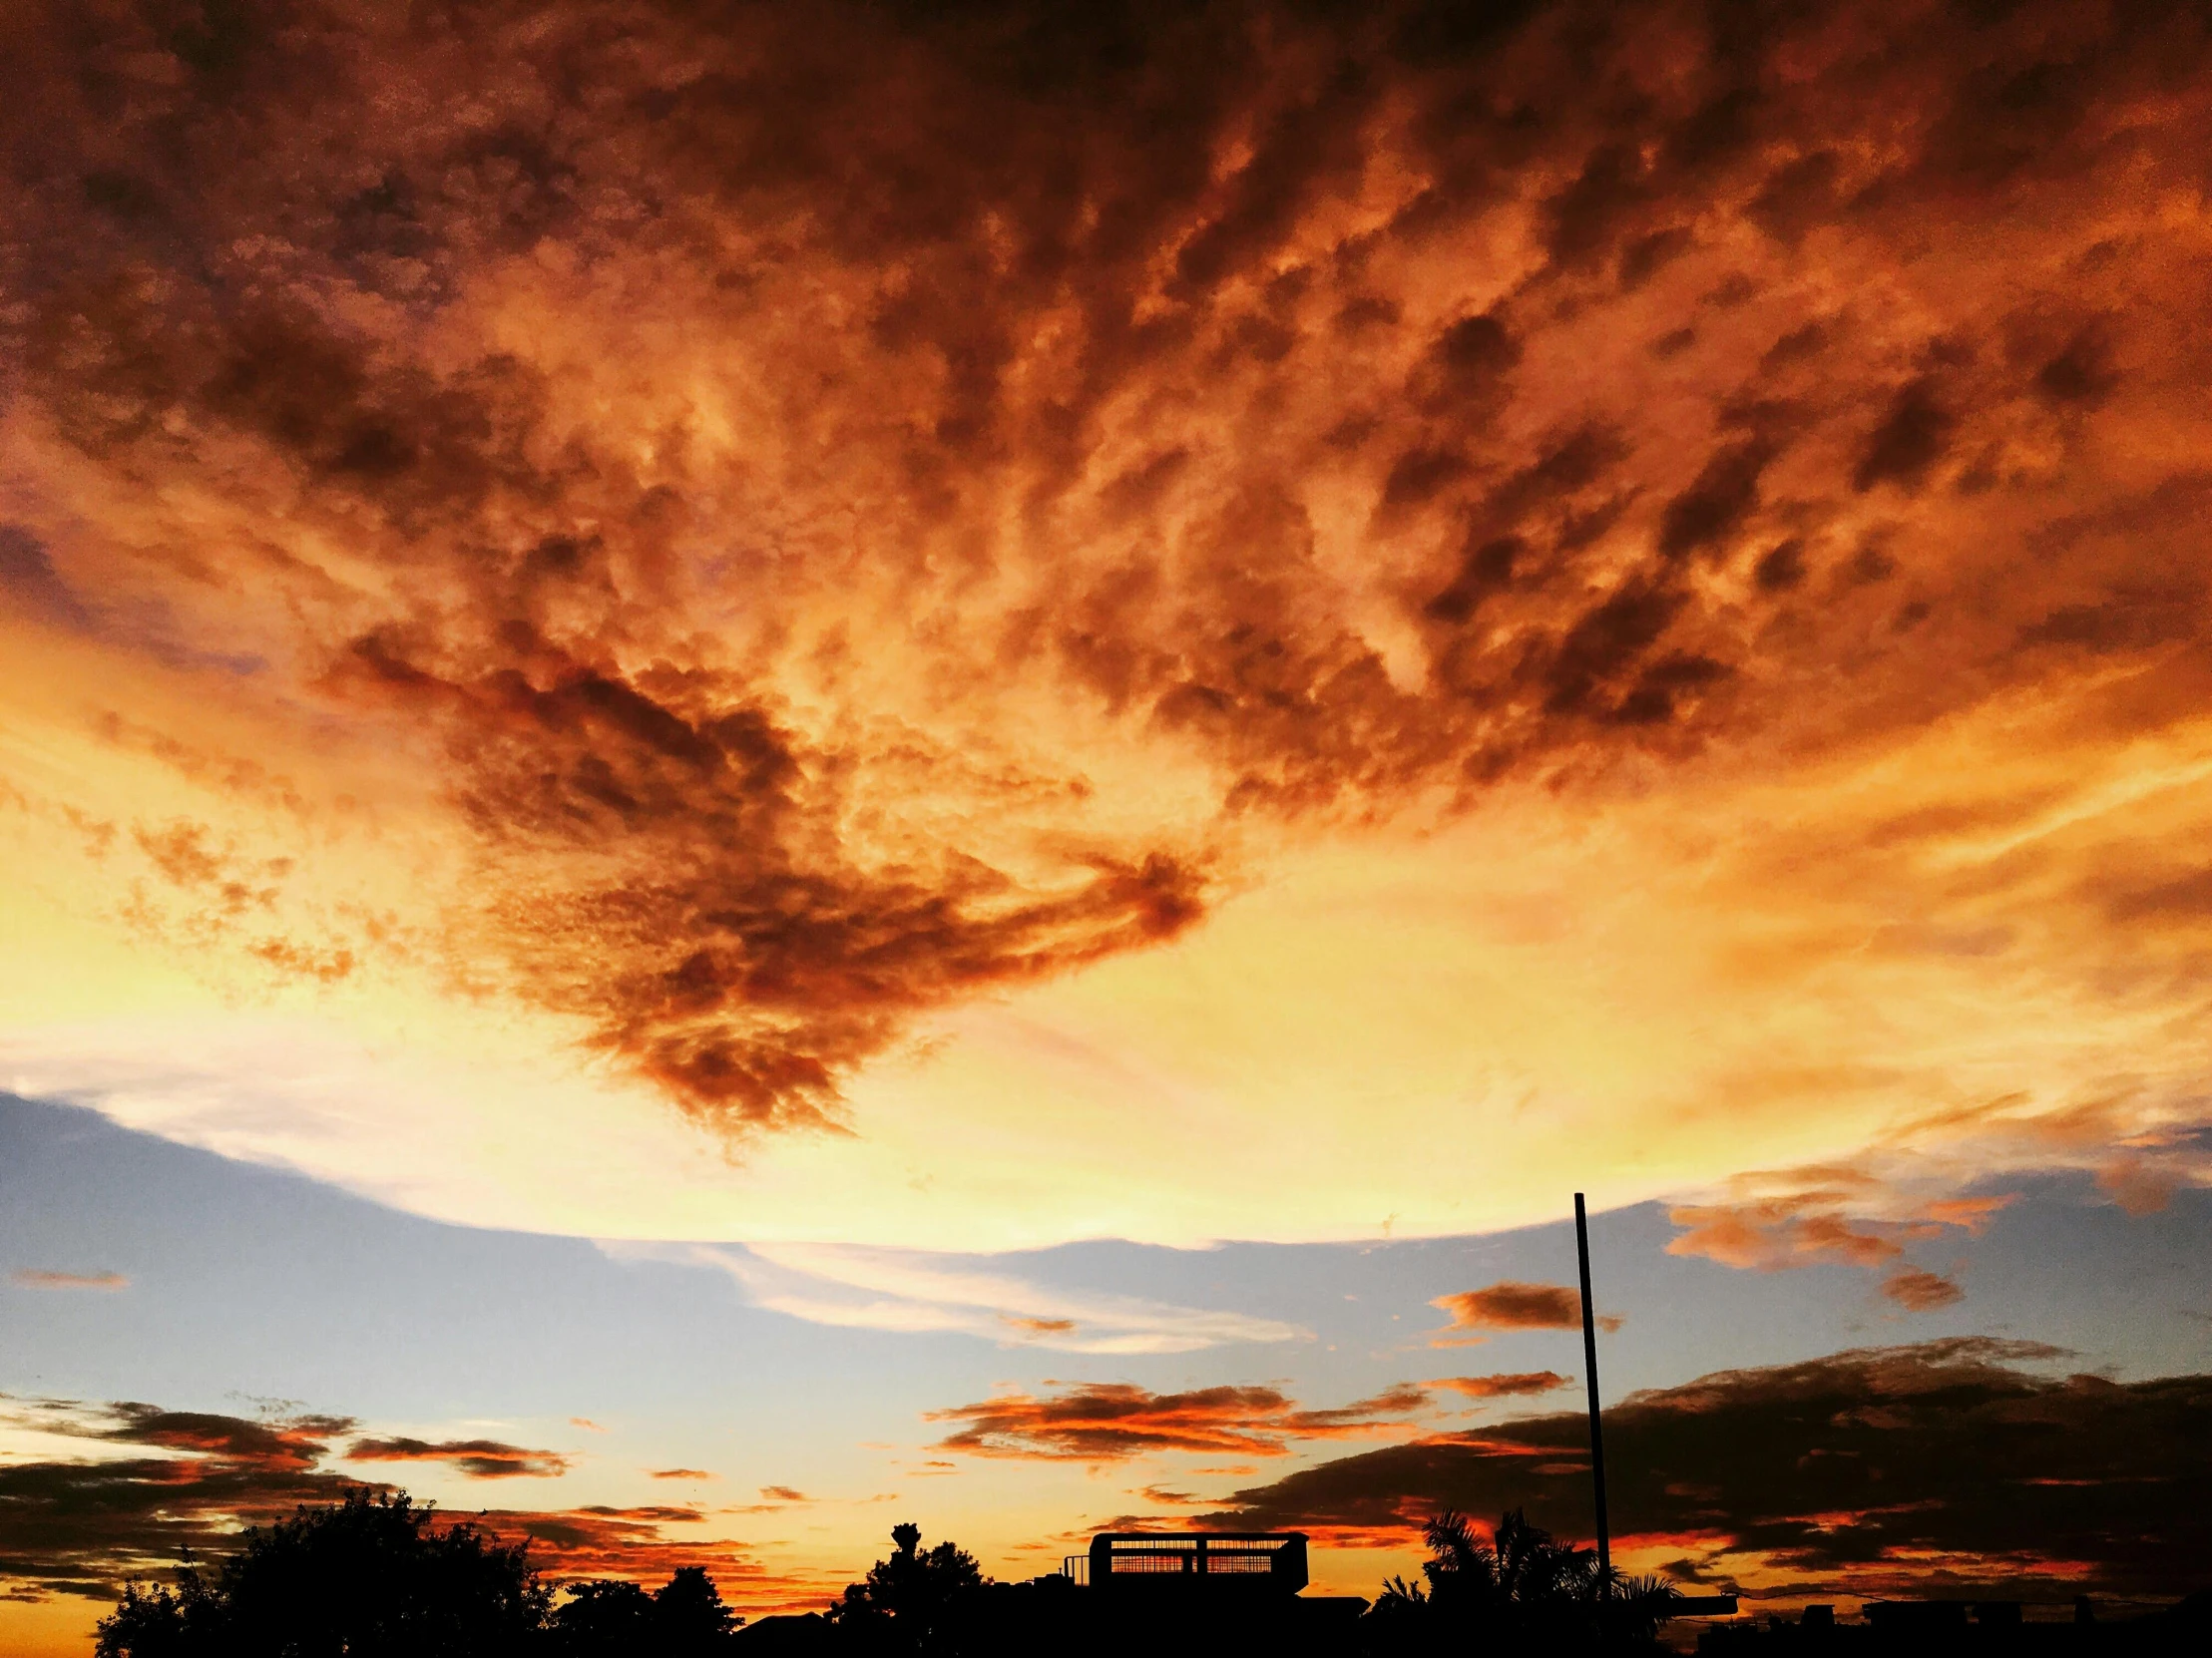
[{"x": 1520, "y": 1588}]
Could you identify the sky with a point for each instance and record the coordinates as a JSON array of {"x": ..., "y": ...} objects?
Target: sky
[{"x": 767, "y": 768}]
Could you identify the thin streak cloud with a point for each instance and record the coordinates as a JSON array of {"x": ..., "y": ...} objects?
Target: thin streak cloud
[
  {"x": 47, "y": 1278},
  {"x": 871, "y": 1289}
]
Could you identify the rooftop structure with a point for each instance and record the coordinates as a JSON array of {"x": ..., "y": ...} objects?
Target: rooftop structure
[{"x": 1213, "y": 1562}]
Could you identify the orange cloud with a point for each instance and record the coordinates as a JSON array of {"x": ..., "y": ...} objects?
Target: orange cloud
[
  {"x": 1111, "y": 1422},
  {"x": 1920, "y": 1291},
  {"x": 1508, "y": 1304},
  {"x": 1806, "y": 1225},
  {"x": 677, "y": 1474},
  {"x": 1779, "y": 1232},
  {"x": 478, "y": 1458},
  {"x": 1971, "y": 1214}
]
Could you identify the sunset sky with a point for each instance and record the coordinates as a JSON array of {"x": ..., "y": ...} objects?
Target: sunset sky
[{"x": 766, "y": 768}]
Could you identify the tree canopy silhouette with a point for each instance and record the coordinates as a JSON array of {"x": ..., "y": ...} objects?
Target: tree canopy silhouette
[
  {"x": 909, "y": 1603},
  {"x": 615, "y": 1618},
  {"x": 373, "y": 1577},
  {"x": 367, "y": 1577}
]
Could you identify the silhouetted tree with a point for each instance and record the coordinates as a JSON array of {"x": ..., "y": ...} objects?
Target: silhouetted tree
[
  {"x": 604, "y": 1619},
  {"x": 613, "y": 1618},
  {"x": 910, "y": 1603},
  {"x": 1638, "y": 1605},
  {"x": 1521, "y": 1587},
  {"x": 368, "y": 1577},
  {"x": 689, "y": 1615}
]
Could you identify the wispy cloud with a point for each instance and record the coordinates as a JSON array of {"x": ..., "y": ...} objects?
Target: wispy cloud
[{"x": 876, "y": 1289}]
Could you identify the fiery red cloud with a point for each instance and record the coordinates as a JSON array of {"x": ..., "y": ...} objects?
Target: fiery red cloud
[
  {"x": 1107, "y": 1421},
  {"x": 845, "y": 509}
]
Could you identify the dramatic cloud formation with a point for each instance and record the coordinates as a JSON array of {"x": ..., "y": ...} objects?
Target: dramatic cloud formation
[
  {"x": 1873, "y": 1472},
  {"x": 1513, "y": 1306},
  {"x": 478, "y": 1458},
  {"x": 81, "y": 1527},
  {"x": 731, "y": 536},
  {"x": 1107, "y": 1421},
  {"x": 44, "y": 1278}
]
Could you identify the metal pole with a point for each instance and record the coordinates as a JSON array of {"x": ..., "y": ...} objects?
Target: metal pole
[{"x": 1596, "y": 1432}]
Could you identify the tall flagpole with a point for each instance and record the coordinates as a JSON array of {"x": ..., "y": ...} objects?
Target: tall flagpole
[{"x": 1590, "y": 1369}]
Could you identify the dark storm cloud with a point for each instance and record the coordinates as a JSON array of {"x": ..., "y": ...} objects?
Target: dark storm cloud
[
  {"x": 1874, "y": 1470},
  {"x": 695, "y": 434}
]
